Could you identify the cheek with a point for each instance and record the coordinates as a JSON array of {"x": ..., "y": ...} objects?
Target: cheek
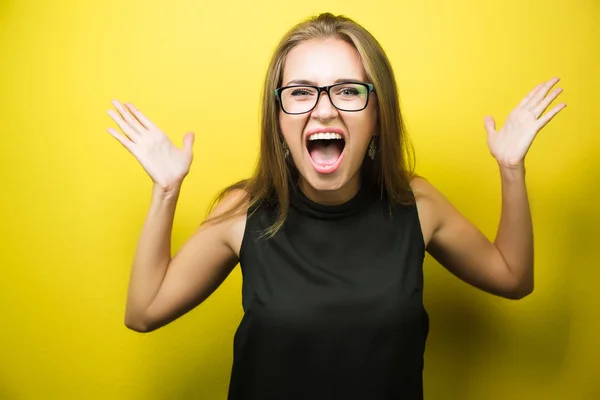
[
  {"x": 362, "y": 128},
  {"x": 291, "y": 128}
]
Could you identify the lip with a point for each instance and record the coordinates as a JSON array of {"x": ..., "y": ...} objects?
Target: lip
[{"x": 332, "y": 168}]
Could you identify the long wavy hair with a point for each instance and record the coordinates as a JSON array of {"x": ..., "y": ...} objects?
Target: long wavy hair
[{"x": 393, "y": 167}]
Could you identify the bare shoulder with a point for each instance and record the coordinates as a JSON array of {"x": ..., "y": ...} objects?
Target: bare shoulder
[
  {"x": 430, "y": 205},
  {"x": 229, "y": 201},
  {"x": 420, "y": 186},
  {"x": 232, "y": 228}
]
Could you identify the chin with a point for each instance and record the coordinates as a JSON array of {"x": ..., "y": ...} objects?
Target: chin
[
  {"x": 326, "y": 184},
  {"x": 330, "y": 182}
]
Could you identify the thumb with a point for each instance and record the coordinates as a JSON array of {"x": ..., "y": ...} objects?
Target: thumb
[
  {"x": 490, "y": 125},
  {"x": 188, "y": 142}
]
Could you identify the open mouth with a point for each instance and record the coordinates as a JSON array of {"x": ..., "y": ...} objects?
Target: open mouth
[{"x": 326, "y": 151}]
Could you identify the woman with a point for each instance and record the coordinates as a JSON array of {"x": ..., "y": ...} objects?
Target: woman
[{"x": 331, "y": 229}]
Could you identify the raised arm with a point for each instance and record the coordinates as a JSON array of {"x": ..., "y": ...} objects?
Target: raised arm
[
  {"x": 504, "y": 266},
  {"x": 162, "y": 288}
]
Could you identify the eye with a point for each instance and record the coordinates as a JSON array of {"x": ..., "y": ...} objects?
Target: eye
[
  {"x": 349, "y": 91},
  {"x": 301, "y": 92}
]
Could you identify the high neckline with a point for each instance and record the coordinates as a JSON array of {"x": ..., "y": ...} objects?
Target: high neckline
[{"x": 303, "y": 204}]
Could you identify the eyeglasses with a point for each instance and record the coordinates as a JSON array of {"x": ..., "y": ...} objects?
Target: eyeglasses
[{"x": 345, "y": 96}]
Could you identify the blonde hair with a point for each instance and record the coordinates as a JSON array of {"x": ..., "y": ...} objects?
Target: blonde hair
[{"x": 393, "y": 167}]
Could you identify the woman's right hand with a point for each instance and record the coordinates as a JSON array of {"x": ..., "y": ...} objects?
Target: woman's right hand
[{"x": 166, "y": 164}]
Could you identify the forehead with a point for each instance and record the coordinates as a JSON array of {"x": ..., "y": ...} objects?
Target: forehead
[{"x": 323, "y": 61}]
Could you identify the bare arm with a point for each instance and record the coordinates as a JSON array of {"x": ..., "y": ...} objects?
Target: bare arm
[
  {"x": 514, "y": 239},
  {"x": 152, "y": 256},
  {"x": 163, "y": 289},
  {"x": 160, "y": 288},
  {"x": 459, "y": 246},
  {"x": 505, "y": 266},
  {"x": 464, "y": 250}
]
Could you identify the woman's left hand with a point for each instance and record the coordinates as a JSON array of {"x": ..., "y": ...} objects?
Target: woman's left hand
[{"x": 510, "y": 144}]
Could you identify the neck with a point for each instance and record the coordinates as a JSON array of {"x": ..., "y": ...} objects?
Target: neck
[{"x": 334, "y": 196}]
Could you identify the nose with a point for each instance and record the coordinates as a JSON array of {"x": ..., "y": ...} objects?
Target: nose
[{"x": 324, "y": 108}]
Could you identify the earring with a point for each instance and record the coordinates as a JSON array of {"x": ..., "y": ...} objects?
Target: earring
[
  {"x": 286, "y": 150},
  {"x": 372, "y": 148}
]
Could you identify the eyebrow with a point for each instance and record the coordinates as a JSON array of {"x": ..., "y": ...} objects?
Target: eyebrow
[{"x": 312, "y": 83}]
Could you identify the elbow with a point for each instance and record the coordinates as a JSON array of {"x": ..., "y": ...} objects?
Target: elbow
[
  {"x": 519, "y": 295},
  {"x": 137, "y": 324},
  {"x": 520, "y": 292},
  {"x": 137, "y": 327}
]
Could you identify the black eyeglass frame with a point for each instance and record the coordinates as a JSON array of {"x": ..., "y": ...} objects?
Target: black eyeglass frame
[{"x": 327, "y": 89}]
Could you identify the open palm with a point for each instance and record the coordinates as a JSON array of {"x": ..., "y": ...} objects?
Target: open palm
[
  {"x": 511, "y": 143},
  {"x": 166, "y": 164}
]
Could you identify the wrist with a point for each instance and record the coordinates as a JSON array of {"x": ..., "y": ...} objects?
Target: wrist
[
  {"x": 512, "y": 172},
  {"x": 166, "y": 192}
]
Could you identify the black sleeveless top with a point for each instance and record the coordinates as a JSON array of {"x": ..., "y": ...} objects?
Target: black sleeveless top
[{"x": 333, "y": 303}]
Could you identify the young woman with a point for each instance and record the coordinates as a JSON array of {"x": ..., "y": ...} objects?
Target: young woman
[{"x": 331, "y": 230}]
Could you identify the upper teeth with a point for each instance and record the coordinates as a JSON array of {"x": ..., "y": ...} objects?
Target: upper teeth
[{"x": 321, "y": 136}]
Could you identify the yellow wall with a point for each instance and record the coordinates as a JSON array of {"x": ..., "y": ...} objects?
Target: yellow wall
[{"x": 73, "y": 200}]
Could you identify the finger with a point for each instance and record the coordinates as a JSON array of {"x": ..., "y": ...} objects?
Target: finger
[
  {"x": 125, "y": 127},
  {"x": 122, "y": 139},
  {"x": 530, "y": 95},
  {"x": 549, "y": 115},
  {"x": 539, "y": 110},
  {"x": 541, "y": 93},
  {"x": 128, "y": 117},
  {"x": 145, "y": 121},
  {"x": 490, "y": 125},
  {"x": 188, "y": 142}
]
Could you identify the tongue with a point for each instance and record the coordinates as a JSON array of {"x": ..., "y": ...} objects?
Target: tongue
[{"x": 326, "y": 152}]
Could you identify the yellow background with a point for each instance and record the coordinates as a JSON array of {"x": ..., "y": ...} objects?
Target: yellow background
[{"x": 73, "y": 199}]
